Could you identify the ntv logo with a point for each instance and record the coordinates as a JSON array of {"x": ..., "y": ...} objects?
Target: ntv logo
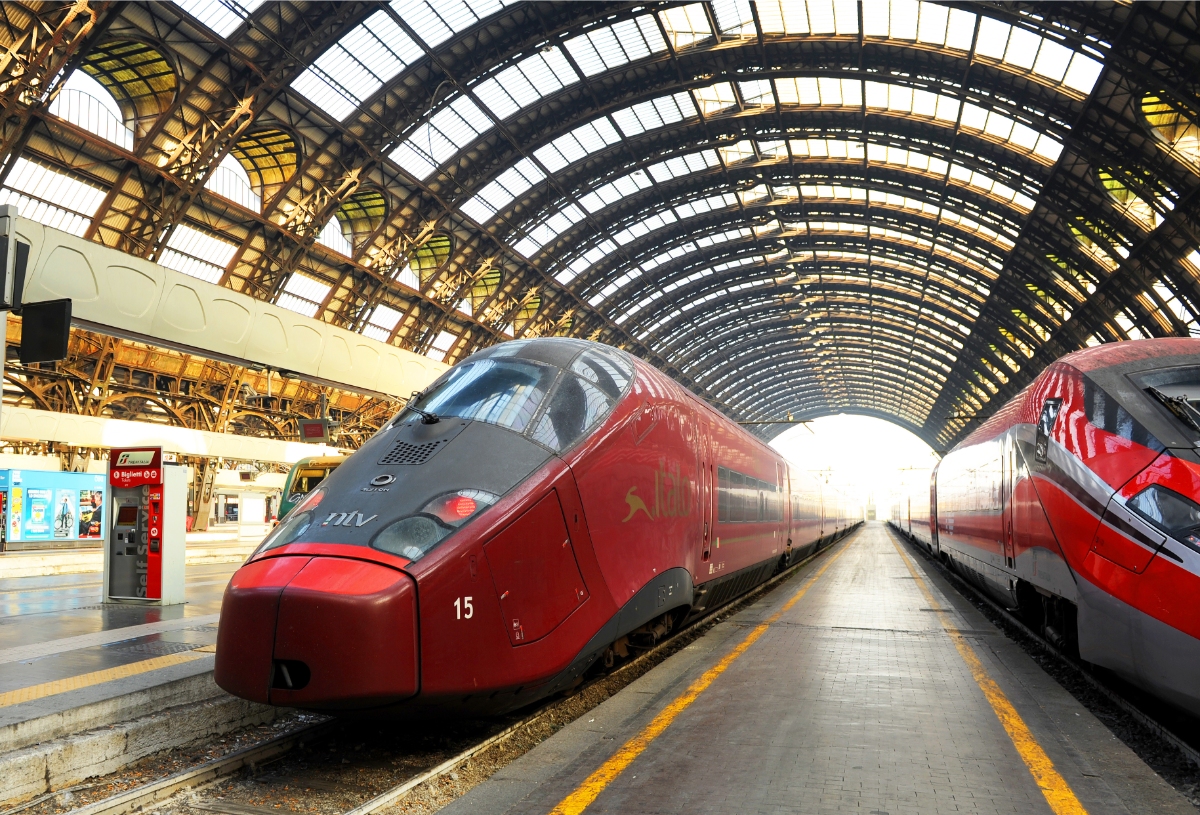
[{"x": 672, "y": 496}]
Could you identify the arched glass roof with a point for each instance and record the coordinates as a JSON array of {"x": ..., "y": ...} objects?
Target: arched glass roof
[{"x": 902, "y": 208}]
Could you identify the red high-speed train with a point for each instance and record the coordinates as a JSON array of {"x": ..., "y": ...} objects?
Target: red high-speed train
[
  {"x": 545, "y": 506},
  {"x": 1078, "y": 503}
]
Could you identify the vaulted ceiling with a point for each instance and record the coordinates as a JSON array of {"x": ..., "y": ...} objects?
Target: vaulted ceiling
[{"x": 904, "y": 209}]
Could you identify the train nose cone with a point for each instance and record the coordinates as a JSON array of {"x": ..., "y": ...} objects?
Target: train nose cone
[
  {"x": 352, "y": 626},
  {"x": 246, "y": 634},
  {"x": 344, "y": 636}
]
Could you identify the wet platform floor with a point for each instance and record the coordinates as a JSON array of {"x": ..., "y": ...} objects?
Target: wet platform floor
[{"x": 60, "y": 645}]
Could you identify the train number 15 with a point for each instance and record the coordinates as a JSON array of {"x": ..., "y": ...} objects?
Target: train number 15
[{"x": 463, "y": 610}]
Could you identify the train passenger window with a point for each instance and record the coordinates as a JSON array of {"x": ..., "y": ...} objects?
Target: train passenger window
[
  {"x": 609, "y": 373},
  {"x": 1045, "y": 427},
  {"x": 576, "y": 406},
  {"x": 504, "y": 392},
  {"x": 744, "y": 499}
]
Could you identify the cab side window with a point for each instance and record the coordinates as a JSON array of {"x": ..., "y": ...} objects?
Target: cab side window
[{"x": 1045, "y": 427}]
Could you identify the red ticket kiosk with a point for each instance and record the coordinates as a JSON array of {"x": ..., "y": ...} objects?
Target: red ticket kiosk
[{"x": 146, "y": 549}]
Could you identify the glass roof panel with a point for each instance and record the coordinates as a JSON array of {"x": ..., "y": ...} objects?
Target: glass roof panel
[
  {"x": 655, "y": 113},
  {"x": 684, "y": 165},
  {"x": 197, "y": 254},
  {"x": 332, "y": 237},
  {"x": 436, "y": 21},
  {"x": 449, "y": 130},
  {"x": 614, "y": 191},
  {"x": 51, "y": 198},
  {"x": 548, "y": 229},
  {"x": 357, "y": 66},
  {"x": 522, "y": 84},
  {"x": 971, "y": 289},
  {"x": 715, "y": 98},
  {"x": 734, "y": 18},
  {"x": 605, "y": 48},
  {"x": 497, "y": 195},
  {"x": 703, "y": 160},
  {"x": 303, "y": 295},
  {"x": 686, "y": 25},
  {"x": 223, "y": 17},
  {"x": 578, "y": 144}
]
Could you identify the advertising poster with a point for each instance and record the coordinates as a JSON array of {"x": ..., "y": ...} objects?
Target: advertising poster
[
  {"x": 39, "y": 514},
  {"x": 91, "y": 514},
  {"x": 65, "y": 523},
  {"x": 55, "y": 506},
  {"x": 15, "y": 505}
]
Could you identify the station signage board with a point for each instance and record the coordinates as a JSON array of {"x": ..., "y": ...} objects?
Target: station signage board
[{"x": 135, "y": 467}]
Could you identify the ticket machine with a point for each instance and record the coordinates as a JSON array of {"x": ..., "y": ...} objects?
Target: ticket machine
[{"x": 146, "y": 548}]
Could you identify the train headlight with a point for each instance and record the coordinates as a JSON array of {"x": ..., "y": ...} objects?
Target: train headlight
[
  {"x": 1171, "y": 512},
  {"x": 414, "y": 535}
]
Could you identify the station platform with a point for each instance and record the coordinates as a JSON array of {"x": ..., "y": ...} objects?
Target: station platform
[
  {"x": 214, "y": 546},
  {"x": 864, "y": 684},
  {"x": 88, "y": 687}
]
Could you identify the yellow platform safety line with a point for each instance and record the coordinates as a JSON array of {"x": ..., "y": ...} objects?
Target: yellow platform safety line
[
  {"x": 70, "y": 683},
  {"x": 590, "y": 789},
  {"x": 1054, "y": 787}
]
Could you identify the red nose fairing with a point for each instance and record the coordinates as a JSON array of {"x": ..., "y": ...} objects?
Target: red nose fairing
[{"x": 319, "y": 633}]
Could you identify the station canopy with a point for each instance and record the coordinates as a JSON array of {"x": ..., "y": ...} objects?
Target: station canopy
[{"x": 794, "y": 207}]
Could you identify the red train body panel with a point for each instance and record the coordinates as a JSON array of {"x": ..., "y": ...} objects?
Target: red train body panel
[
  {"x": 1078, "y": 503},
  {"x": 546, "y": 504}
]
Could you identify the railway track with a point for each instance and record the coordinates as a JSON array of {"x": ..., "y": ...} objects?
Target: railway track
[
  {"x": 1099, "y": 684},
  {"x": 292, "y": 764}
]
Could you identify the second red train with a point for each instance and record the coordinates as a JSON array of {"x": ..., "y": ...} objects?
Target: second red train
[{"x": 1078, "y": 505}]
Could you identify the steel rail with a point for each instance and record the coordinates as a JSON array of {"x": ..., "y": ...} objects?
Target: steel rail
[
  {"x": 1137, "y": 714},
  {"x": 147, "y": 795}
]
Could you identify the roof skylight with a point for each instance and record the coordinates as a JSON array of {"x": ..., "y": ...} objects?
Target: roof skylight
[
  {"x": 382, "y": 323},
  {"x": 230, "y": 181},
  {"x": 686, "y": 25},
  {"x": 579, "y": 143},
  {"x": 358, "y": 65},
  {"x": 54, "y": 199},
  {"x": 222, "y": 16},
  {"x": 605, "y": 48},
  {"x": 436, "y": 21},
  {"x": 85, "y": 102},
  {"x": 520, "y": 85},
  {"x": 197, "y": 254},
  {"x": 332, "y": 236},
  {"x": 449, "y": 130},
  {"x": 497, "y": 195},
  {"x": 303, "y": 295}
]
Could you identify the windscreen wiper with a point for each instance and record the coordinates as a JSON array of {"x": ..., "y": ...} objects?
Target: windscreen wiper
[
  {"x": 1180, "y": 406},
  {"x": 432, "y": 418}
]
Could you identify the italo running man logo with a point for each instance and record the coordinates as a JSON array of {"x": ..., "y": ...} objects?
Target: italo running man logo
[{"x": 672, "y": 496}]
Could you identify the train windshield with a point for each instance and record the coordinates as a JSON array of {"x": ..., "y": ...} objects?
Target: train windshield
[
  {"x": 1177, "y": 390},
  {"x": 553, "y": 406},
  {"x": 504, "y": 392}
]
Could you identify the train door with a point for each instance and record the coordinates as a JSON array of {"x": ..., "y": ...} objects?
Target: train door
[
  {"x": 933, "y": 513},
  {"x": 789, "y": 519},
  {"x": 707, "y": 488},
  {"x": 1008, "y": 479}
]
